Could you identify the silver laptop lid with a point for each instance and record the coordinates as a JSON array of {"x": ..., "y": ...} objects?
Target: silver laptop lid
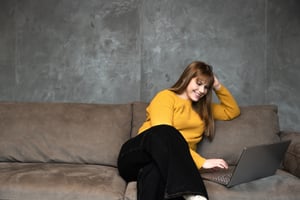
[{"x": 258, "y": 162}]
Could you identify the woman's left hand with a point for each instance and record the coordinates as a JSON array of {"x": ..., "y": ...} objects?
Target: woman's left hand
[{"x": 213, "y": 163}]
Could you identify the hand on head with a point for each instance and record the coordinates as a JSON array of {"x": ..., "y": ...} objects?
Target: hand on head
[{"x": 217, "y": 83}]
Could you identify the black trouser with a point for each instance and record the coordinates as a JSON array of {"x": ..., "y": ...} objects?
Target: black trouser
[{"x": 159, "y": 159}]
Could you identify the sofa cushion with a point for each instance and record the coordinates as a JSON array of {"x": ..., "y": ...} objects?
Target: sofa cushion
[
  {"x": 280, "y": 186},
  {"x": 256, "y": 125},
  {"x": 138, "y": 116},
  {"x": 46, "y": 181},
  {"x": 63, "y": 132},
  {"x": 131, "y": 191},
  {"x": 292, "y": 157}
]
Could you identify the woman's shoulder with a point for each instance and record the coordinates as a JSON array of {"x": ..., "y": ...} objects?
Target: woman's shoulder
[{"x": 166, "y": 93}]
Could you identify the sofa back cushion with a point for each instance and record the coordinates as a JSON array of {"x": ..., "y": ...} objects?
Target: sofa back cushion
[
  {"x": 138, "y": 116},
  {"x": 256, "y": 125},
  {"x": 63, "y": 132}
]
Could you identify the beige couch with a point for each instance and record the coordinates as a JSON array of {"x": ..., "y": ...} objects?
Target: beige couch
[{"x": 68, "y": 151}]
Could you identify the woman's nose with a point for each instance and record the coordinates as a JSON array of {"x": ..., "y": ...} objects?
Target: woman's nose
[{"x": 201, "y": 89}]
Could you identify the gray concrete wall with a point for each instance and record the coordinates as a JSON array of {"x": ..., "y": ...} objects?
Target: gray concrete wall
[
  {"x": 283, "y": 60},
  {"x": 70, "y": 50},
  {"x": 117, "y": 51}
]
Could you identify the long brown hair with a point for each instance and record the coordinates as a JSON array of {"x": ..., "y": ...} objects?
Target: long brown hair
[{"x": 203, "y": 106}]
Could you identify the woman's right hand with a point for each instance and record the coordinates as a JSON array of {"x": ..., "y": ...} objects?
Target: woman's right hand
[
  {"x": 213, "y": 163},
  {"x": 217, "y": 84}
]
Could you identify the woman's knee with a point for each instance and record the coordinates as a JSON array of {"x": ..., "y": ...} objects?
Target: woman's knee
[
  {"x": 166, "y": 133},
  {"x": 165, "y": 128}
]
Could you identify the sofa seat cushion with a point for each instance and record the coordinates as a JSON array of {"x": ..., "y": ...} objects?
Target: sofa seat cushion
[
  {"x": 280, "y": 186},
  {"x": 59, "y": 181},
  {"x": 131, "y": 191}
]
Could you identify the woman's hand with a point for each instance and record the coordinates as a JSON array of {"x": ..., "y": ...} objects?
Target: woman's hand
[
  {"x": 217, "y": 83},
  {"x": 213, "y": 163}
]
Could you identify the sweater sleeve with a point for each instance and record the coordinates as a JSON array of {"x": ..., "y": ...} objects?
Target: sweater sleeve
[
  {"x": 228, "y": 108},
  {"x": 199, "y": 160},
  {"x": 161, "y": 109}
]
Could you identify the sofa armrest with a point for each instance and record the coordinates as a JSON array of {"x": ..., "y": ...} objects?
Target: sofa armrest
[{"x": 291, "y": 161}]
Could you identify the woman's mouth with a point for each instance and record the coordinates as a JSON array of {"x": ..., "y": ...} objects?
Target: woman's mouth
[{"x": 198, "y": 95}]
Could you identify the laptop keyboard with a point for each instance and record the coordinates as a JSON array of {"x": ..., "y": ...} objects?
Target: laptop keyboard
[{"x": 221, "y": 176}]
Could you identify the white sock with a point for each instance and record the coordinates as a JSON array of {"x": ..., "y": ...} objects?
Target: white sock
[{"x": 194, "y": 197}]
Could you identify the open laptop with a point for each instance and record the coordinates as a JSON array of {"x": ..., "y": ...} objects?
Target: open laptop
[{"x": 255, "y": 162}]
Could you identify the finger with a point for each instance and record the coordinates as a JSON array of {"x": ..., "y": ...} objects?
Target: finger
[{"x": 224, "y": 164}]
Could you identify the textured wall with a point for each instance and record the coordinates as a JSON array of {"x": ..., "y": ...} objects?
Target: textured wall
[
  {"x": 283, "y": 60},
  {"x": 70, "y": 50},
  {"x": 115, "y": 51},
  {"x": 229, "y": 36}
]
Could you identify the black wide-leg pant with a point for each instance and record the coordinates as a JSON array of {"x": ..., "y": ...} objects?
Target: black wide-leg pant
[{"x": 160, "y": 161}]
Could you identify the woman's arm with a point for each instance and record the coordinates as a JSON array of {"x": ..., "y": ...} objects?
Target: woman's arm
[
  {"x": 207, "y": 163},
  {"x": 228, "y": 108},
  {"x": 199, "y": 160}
]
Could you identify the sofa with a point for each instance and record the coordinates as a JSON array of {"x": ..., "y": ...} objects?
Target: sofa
[{"x": 69, "y": 151}]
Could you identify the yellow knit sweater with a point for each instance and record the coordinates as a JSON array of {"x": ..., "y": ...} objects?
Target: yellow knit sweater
[{"x": 170, "y": 109}]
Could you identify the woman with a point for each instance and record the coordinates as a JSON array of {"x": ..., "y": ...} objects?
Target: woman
[{"x": 162, "y": 158}]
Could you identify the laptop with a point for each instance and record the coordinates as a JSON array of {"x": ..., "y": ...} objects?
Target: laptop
[{"x": 255, "y": 162}]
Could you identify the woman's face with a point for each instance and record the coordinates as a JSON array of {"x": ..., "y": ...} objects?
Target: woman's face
[{"x": 196, "y": 89}]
